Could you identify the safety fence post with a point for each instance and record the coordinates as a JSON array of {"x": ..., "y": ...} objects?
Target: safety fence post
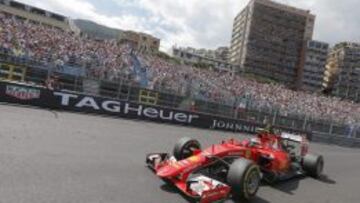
[
  {"x": 128, "y": 93},
  {"x": 305, "y": 123},
  {"x": 331, "y": 128},
  {"x": 274, "y": 117}
]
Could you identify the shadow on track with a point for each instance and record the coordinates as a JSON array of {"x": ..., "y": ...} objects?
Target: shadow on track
[
  {"x": 291, "y": 185},
  {"x": 287, "y": 186},
  {"x": 172, "y": 189},
  {"x": 325, "y": 179}
]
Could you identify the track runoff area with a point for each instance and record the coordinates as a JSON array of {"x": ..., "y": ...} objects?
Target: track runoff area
[{"x": 48, "y": 156}]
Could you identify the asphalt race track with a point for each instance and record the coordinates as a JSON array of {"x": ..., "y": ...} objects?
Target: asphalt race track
[{"x": 57, "y": 157}]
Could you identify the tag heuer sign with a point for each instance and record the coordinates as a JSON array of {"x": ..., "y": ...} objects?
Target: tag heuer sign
[{"x": 23, "y": 93}]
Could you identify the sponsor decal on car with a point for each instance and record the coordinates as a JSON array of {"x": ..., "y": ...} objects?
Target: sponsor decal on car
[
  {"x": 23, "y": 93},
  {"x": 240, "y": 153},
  {"x": 248, "y": 154},
  {"x": 194, "y": 159},
  {"x": 218, "y": 193}
]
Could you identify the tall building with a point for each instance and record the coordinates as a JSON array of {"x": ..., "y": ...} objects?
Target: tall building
[
  {"x": 269, "y": 40},
  {"x": 315, "y": 62},
  {"x": 342, "y": 74}
]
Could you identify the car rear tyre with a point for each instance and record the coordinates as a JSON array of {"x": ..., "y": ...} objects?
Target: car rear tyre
[
  {"x": 244, "y": 179},
  {"x": 313, "y": 165},
  {"x": 185, "y": 148}
]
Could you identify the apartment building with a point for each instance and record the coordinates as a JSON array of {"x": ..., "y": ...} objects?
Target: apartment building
[
  {"x": 269, "y": 40},
  {"x": 342, "y": 75},
  {"x": 315, "y": 62}
]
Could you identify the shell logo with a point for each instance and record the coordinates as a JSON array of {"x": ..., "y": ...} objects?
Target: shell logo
[
  {"x": 248, "y": 154},
  {"x": 194, "y": 159}
]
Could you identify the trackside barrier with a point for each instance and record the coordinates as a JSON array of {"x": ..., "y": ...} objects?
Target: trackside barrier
[
  {"x": 17, "y": 93},
  {"x": 336, "y": 140}
]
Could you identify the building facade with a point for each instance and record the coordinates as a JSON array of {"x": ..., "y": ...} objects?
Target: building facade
[
  {"x": 269, "y": 40},
  {"x": 37, "y": 15},
  {"x": 342, "y": 75},
  {"x": 142, "y": 42},
  {"x": 315, "y": 62},
  {"x": 219, "y": 54},
  {"x": 212, "y": 59},
  {"x": 222, "y": 53}
]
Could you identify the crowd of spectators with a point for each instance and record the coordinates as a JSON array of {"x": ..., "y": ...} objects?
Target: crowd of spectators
[
  {"x": 101, "y": 58},
  {"x": 231, "y": 89},
  {"x": 107, "y": 59}
]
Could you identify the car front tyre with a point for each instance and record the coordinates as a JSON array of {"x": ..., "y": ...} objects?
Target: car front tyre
[
  {"x": 244, "y": 179},
  {"x": 185, "y": 148}
]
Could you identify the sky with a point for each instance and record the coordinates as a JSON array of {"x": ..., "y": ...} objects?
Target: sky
[{"x": 201, "y": 23}]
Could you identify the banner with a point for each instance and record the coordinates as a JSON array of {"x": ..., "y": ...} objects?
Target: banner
[{"x": 69, "y": 101}]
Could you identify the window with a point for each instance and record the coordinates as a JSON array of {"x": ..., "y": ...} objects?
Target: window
[{"x": 311, "y": 44}]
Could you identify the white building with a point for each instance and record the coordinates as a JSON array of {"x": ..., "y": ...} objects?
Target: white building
[{"x": 192, "y": 56}]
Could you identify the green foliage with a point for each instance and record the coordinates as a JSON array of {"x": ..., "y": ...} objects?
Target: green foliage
[
  {"x": 202, "y": 65},
  {"x": 167, "y": 57},
  {"x": 97, "y": 31},
  {"x": 259, "y": 79}
]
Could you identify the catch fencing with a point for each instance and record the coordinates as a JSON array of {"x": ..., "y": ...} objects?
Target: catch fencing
[{"x": 13, "y": 69}]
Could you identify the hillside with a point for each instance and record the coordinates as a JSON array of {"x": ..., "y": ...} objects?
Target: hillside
[{"x": 95, "y": 30}]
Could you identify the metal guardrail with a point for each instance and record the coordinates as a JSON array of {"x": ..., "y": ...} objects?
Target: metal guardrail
[
  {"x": 336, "y": 140},
  {"x": 125, "y": 90}
]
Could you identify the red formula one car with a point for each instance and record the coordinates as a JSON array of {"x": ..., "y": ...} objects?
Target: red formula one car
[{"x": 234, "y": 169}]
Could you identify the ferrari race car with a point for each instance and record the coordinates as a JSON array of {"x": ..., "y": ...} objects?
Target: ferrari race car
[{"x": 233, "y": 168}]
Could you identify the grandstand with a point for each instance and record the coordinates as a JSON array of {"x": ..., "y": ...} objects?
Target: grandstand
[
  {"x": 36, "y": 52},
  {"x": 37, "y": 15}
]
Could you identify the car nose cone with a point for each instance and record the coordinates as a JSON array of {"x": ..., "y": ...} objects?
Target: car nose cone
[{"x": 167, "y": 171}]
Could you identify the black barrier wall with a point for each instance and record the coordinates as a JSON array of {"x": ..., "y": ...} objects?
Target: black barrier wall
[{"x": 69, "y": 101}]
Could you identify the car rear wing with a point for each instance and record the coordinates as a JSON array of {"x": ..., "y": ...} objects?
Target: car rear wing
[
  {"x": 293, "y": 137},
  {"x": 301, "y": 139}
]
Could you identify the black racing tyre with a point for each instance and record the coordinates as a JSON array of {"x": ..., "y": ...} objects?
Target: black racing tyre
[
  {"x": 244, "y": 179},
  {"x": 185, "y": 147},
  {"x": 313, "y": 165}
]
